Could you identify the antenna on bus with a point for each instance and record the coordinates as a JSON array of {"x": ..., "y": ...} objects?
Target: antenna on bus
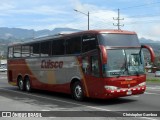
[{"x": 118, "y": 20}]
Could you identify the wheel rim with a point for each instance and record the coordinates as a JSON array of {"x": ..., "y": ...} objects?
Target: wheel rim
[
  {"x": 28, "y": 85},
  {"x": 21, "y": 84},
  {"x": 78, "y": 91}
]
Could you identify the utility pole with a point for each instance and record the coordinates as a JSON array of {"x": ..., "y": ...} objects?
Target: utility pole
[{"x": 118, "y": 20}]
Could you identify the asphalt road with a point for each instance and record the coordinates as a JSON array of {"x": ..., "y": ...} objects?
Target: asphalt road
[{"x": 11, "y": 99}]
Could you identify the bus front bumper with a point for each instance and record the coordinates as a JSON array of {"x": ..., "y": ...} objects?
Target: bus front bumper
[{"x": 124, "y": 92}]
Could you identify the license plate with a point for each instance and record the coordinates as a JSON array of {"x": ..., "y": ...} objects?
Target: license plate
[{"x": 129, "y": 92}]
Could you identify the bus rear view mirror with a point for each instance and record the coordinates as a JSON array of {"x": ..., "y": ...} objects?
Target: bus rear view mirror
[{"x": 152, "y": 54}]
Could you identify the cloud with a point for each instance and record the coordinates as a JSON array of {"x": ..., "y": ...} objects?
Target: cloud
[{"x": 40, "y": 14}]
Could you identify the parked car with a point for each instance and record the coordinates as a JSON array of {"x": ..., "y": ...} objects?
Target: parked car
[
  {"x": 3, "y": 69},
  {"x": 157, "y": 74}
]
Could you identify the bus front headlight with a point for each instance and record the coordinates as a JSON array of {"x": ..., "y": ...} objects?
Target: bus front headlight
[{"x": 110, "y": 87}]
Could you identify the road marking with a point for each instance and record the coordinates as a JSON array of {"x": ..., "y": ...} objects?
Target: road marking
[
  {"x": 155, "y": 87},
  {"x": 57, "y": 100},
  {"x": 151, "y": 93},
  {"x": 148, "y": 118},
  {"x": 135, "y": 96},
  {"x": 45, "y": 110},
  {"x": 3, "y": 77}
]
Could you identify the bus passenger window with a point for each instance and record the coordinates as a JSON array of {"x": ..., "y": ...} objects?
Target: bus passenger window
[
  {"x": 25, "y": 51},
  {"x": 73, "y": 45},
  {"x": 45, "y": 48},
  {"x": 58, "y": 47},
  {"x": 35, "y": 49},
  {"x": 10, "y": 53},
  {"x": 94, "y": 66},
  {"x": 17, "y": 51},
  {"x": 89, "y": 42},
  {"x": 85, "y": 65}
]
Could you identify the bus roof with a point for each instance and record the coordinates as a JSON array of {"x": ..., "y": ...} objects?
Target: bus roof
[{"x": 61, "y": 35}]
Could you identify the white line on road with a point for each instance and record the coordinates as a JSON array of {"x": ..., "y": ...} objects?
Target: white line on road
[
  {"x": 151, "y": 93},
  {"x": 148, "y": 118},
  {"x": 57, "y": 100},
  {"x": 155, "y": 87}
]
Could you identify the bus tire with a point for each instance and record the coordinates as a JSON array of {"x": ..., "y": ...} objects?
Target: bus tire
[
  {"x": 77, "y": 91},
  {"x": 28, "y": 85},
  {"x": 21, "y": 84}
]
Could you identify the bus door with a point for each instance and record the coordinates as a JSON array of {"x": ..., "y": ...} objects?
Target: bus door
[{"x": 91, "y": 72}]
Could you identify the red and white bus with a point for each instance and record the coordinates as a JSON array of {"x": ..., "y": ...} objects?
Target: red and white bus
[{"x": 96, "y": 63}]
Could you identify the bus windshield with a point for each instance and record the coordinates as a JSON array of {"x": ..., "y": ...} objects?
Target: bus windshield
[
  {"x": 122, "y": 62},
  {"x": 119, "y": 40}
]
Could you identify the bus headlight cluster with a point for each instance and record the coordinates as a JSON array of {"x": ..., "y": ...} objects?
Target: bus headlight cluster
[
  {"x": 142, "y": 84},
  {"x": 110, "y": 87}
]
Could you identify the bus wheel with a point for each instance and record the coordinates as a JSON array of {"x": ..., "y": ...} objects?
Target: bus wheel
[
  {"x": 77, "y": 91},
  {"x": 21, "y": 84},
  {"x": 28, "y": 85}
]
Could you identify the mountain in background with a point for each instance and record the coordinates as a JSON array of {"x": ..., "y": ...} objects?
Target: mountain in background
[
  {"x": 18, "y": 33},
  {"x": 23, "y": 34},
  {"x": 144, "y": 40}
]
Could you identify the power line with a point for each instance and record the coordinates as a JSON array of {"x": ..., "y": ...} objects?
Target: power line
[
  {"x": 144, "y": 15},
  {"x": 148, "y": 4},
  {"x": 140, "y": 22}
]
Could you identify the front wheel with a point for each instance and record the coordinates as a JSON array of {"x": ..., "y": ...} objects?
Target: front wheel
[{"x": 77, "y": 91}]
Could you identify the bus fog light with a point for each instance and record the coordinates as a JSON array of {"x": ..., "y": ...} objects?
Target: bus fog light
[{"x": 110, "y": 87}]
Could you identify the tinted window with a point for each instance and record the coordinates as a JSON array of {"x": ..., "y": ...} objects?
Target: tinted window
[
  {"x": 46, "y": 48},
  {"x": 10, "y": 52},
  {"x": 25, "y": 51},
  {"x": 89, "y": 42},
  {"x": 94, "y": 65},
  {"x": 58, "y": 47},
  {"x": 119, "y": 40},
  {"x": 35, "y": 49},
  {"x": 17, "y": 51},
  {"x": 73, "y": 45},
  {"x": 85, "y": 65}
]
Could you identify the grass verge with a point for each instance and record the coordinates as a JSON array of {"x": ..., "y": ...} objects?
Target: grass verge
[{"x": 153, "y": 80}]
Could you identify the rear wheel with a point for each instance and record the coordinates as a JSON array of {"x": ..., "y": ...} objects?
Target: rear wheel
[
  {"x": 77, "y": 91},
  {"x": 21, "y": 84},
  {"x": 28, "y": 85}
]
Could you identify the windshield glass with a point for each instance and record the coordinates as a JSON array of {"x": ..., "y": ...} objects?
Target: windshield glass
[
  {"x": 122, "y": 62},
  {"x": 119, "y": 40}
]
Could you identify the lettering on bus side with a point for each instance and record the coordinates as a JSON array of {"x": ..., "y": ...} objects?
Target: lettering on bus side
[{"x": 51, "y": 64}]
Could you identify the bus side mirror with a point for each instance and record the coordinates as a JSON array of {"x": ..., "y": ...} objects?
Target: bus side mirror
[
  {"x": 103, "y": 54},
  {"x": 152, "y": 54}
]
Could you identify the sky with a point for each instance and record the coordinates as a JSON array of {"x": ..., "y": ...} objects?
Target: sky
[{"x": 141, "y": 16}]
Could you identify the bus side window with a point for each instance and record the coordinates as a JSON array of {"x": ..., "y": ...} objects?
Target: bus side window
[
  {"x": 35, "y": 49},
  {"x": 45, "y": 48},
  {"x": 17, "y": 51},
  {"x": 58, "y": 47},
  {"x": 89, "y": 42},
  {"x": 10, "y": 52},
  {"x": 85, "y": 65},
  {"x": 94, "y": 66},
  {"x": 73, "y": 45},
  {"x": 25, "y": 51}
]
